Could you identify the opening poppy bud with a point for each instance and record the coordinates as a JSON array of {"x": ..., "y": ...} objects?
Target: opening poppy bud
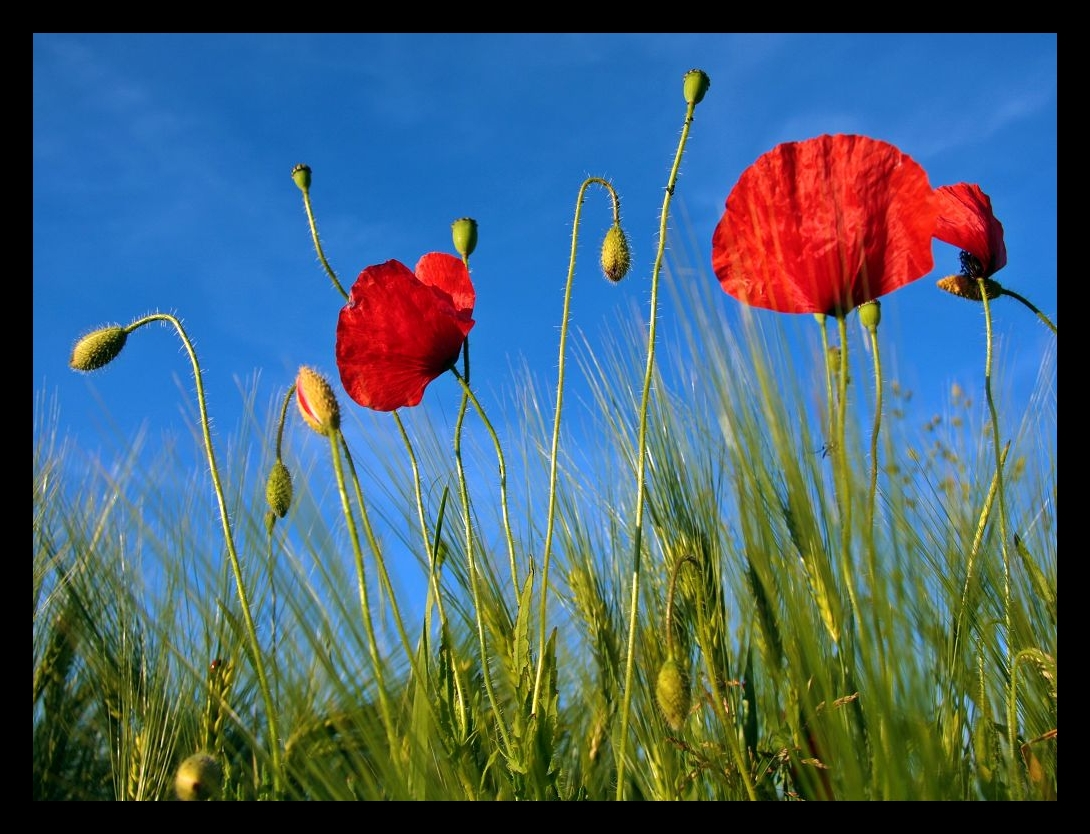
[
  {"x": 616, "y": 257},
  {"x": 965, "y": 287},
  {"x": 696, "y": 85},
  {"x": 317, "y": 402},
  {"x": 278, "y": 489},
  {"x": 464, "y": 231},
  {"x": 97, "y": 349},
  {"x": 301, "y": 174},
  {"x": 199, "y": 778},
  {"x": 870, "y": 313},
  {"x": 672, "y": 692}
]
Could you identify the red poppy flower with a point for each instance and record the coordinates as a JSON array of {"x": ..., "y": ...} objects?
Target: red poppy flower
[
  {"x": 824, "y": 225},
  {"x": 967, "y": 222},
  {"x": 401, "y": 329}
]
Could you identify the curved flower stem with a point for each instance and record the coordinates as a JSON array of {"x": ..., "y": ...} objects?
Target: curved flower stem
[
  {"x": 1040, "y": 315},
  {"x": 554, "y": 451},
  {"x": 471, "y": 558},
  {"x": 641, "y": 462},
  {"x": 830, "y": 417},
  {"x": 336, "y": 440},
  {"x": 844, "y": 491},
  {"x": 271, "y": 526},
  {"x": 376, "y": 549},
  {"x": 1012, "y": 730},
  {"x": 502, "y": 470},
  {"x": 232, "y": 553},
  {"x": 318, "y": 246}
]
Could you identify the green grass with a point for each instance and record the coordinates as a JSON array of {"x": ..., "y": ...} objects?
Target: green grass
[{"x": 829, "y": 656}]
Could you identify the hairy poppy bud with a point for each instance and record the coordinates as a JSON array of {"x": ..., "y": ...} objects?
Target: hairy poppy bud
[
  {"x": 317, "y": 402},
  {"x": 464, "y": 231},
  {"x": 301, "y": 174},
  {"x": 696, "y": 85},
  {"x": 672, "y": 692},
  {"x": 616, "y": 258},
  {"x": 199, "y": 778},
  {"x": 97, "y": 349},
  {"x": 870, "y": 314},
  {"x": 965, "y": 287},
  {"x": 278, "y": 490}
]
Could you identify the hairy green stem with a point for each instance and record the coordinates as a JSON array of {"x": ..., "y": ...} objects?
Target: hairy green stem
[
  {"x": 641, "y": 462},
  {"x": 232, "y": 553},
  {"x": 550, "y": 517}
]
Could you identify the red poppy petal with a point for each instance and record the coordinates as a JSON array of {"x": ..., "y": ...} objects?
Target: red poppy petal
[
  {"x": 966, "y": 221},
  {"x": 824, "y": 225},
  {"x": 395, "y": 336},
  {"x": 448, "y": 273}
]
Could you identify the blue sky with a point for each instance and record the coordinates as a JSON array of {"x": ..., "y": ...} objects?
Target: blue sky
[{"x": 162, "y": 184}]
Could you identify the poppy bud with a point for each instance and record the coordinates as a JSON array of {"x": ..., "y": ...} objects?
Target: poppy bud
[
  {"x": 98, "y": 348},
  {"x": 870, "y": 314},
  {"x": 616, "y": 258},
  {"x": 464, "y": 231},
  {"x": 199, "y": 778},
  {"x": 278, "y": 489},
  {"x": 317, "y": 402},
  {"x": 301, "y": 174},
  {"x": 965, "y": 287},
  {"x": 672, "y": 692},
  {"x": 696, "y": 85}
]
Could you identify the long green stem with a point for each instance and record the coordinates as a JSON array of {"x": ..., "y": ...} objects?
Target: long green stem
[
  {"x": 1012, "y": 730},
  {"x": 335, "y": 442},
  {"x": 1040, "y": 315},
  {"x": 232, "y": 553},
  {"x": 641, "y": 462},
  {"x": 471, "y": 559},
  {"x": 550, "y": 518}
]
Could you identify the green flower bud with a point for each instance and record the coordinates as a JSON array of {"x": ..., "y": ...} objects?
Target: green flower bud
[
  {"x": 696, "y": 85},
  {"x": 672, "y": 692},
  {"x": 965, "y": 287},
  {"x": 317, "y": 402},
  {"x": 278, "y": 490},
  {"x": 870, "y": 314},
  {"x": 464, "y": 231},
  {"x": 301, "y": 174},
  {"x": 199, "y": 778},
  {"x": 616, "y": 258},
  {"x": 98, "y": 348}
]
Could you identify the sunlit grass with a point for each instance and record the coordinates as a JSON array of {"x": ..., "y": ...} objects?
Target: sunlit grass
[{"x": 886, "y": 680}]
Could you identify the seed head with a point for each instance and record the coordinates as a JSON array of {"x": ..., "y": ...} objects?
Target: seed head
[
  {"x": 464, "y": 232},
  {"x": 301, "y": 174},
  {"x": 696, "y": 85}
]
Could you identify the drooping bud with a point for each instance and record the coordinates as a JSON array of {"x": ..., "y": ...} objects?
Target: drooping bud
[
  {"x": 965, "y": 287},
  {"x": 696, "y": 85},
  {"x": 199, "y": 778},
  {"x": 278, "y": 489},
  {"x": 870, "y": 314},
  {"x": 672, "y": 692},
  {"x": 98, "y": 348},
  {"x": 616, "y": 257},
  {"x": 317, "y": 402},
  {"x": 464, "y": 231},
  {"x": 301, "y": 174}
]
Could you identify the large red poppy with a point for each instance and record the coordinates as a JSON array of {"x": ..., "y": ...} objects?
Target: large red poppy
[
  {"x": 824, "y": 225},
  {"x": 401, "y": 329},
  {"x": 966, "y": 221}
]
